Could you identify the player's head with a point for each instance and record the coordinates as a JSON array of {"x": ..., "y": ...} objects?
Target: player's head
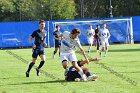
[
  {"x": 41, "y": 24},
  {"x": 97, "y": 26},
  {"x": 90, "y": 26},
  {"x": 104, "y": 25},
  {"x": 57, "y": 27},
  {"x": 74, "y": 33}
]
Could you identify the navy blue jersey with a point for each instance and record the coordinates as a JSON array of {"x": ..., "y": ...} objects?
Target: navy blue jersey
[
  {"x": 72, "y": 74},
  {"x": 40, "y": 38},
  {"x": 96, "y": 33},
  {"x": 57, "y": 35},
  {"x": 72, "y": 67}
]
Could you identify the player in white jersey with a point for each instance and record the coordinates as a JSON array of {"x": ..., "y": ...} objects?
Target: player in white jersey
[
  {"x": 104, "y": 35},
  {"x": 69, "y": 42},
  {"x": 90, "y": 36}
]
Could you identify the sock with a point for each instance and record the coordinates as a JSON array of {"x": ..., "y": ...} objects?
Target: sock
[
  {"x": 105, "y": 52},
  {"x": 81, "y": 73},
  {"x": 88, "y": 74},
  {"x": 54, "y": 52},
  {"x": 89, "y": 48},
  {"x": 30, "y": 66},
  {"x": 41, "y": 64}
]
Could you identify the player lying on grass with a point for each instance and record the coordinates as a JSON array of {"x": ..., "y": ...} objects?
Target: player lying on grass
[{"x": 73, "y": 75}]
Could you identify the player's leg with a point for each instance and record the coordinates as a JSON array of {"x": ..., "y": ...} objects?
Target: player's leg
[
  {"x": 106, "y": 48},
  {"x": 56, "y": 49},
  {"x": 79, "y": 70},
  {"x": 64, "y": 59},
  {"x": 90, "y": 40},
  {"x": 42, "y": 57},
  {"x": 73, "y": 59},
  {"x": 89, "y": 75},
  {"x": 34, "y": 57},
  {"x": 103, "y": 47},
  {"x": 98, "y": 44}
]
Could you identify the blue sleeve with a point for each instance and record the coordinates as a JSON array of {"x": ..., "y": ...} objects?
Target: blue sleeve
[{"x": 33, "y": 34}]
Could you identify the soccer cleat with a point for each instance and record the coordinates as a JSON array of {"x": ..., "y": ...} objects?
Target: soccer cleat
[
  {"x": 77, "y": 79},
  {"x": 92, "y": 77},
  {"x": 27, "y": 74},
  {"x": 105, "y": 55},
  {"x": 37, "y": 72}
]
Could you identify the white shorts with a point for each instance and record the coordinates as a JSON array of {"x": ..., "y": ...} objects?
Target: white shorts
[
  {"x": 105, "y": 43},
  {"x": 90, "y": 40},
  {"x": 68, "y": 56}
]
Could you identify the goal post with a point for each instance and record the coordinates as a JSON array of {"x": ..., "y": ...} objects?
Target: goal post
[{"x": 121, "y": 30}]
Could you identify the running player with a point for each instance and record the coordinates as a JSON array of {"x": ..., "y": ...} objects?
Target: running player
[
  {"x": 57, "y": 36},
  {"x": 38, "y": 47},
  {"x": 104, "y": 35},
  {"x": 90, "y": 36}
]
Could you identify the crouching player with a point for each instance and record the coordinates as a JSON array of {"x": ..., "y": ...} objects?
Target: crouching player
[{"x": 73, "y": 75}]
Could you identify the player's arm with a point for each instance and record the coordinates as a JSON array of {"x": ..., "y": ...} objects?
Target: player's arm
[
  {"x": 31, "y": 40},
  {"x": 56, "y": 38},
  {"x": 83, "y": 53},
  {"x": 44, "y": 43},
  {"x": 108, "y": 35},
  {"x": 90, "y": 60},
  {"x": 93, "y": 32}
]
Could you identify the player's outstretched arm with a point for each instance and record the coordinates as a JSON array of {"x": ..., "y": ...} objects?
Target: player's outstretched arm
[{"x": 83, "y": 52}]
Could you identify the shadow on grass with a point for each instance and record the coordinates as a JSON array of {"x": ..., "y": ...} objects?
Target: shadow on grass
[
  {"x": 10, "y": 77},
  {"x": 63, "y": 82},
  {"x": 119, "y": 72},
  {"x": 125, "y": 50}
]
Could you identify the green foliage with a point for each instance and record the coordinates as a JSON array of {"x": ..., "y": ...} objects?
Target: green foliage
[{"x": 24, "y": 10}]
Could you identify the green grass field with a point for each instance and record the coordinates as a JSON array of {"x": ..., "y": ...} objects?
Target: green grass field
[{"x": 123, "y": 59}]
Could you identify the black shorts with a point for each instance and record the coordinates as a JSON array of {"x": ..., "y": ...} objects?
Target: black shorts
[
  {"x": 57, "y": 44},
  {"x": 37, "y": 52},
  {"x": 72, "y": 75}
]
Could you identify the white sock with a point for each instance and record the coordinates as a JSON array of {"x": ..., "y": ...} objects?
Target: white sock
[
  {"x": 89, "y": 48},
  {"x": 81, "y": 74}
]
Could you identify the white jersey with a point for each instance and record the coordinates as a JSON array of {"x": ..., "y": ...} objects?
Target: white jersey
[
  {"x": 90, "y": 33},
  {"x": 104, "y": 34},
  {"x": 68, "y": 44}
]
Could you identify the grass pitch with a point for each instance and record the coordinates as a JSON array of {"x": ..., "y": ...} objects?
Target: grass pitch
[{"x": 119, "y": 72}]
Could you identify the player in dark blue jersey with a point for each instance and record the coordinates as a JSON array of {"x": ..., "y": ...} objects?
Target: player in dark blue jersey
[
  {"x": 73, "y": 75},
  {"x": 57, "y": 37},
  {"x": 97, "y": 39},
  {"x": 38, "y": 47}
]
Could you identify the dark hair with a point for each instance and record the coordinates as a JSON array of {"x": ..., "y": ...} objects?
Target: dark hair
[
  {"x": 57, "y": 26},
  {"x": 104, "y": 23},
  {"x": 75, "y": 31},
  {"x": 90, "y": 25},
  {"x": 41, "y": 21}
]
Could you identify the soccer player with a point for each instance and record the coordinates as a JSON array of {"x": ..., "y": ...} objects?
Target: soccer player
[
  {"x": 97, "y": 39},
  {"x": 104, "y": 35},
  {"x": 90, "y": 35},
  {"x": 69, "y": 42},
  {"x": 57, "y": 36},
  {"x": 73, "y": 75},
  {"x": 38, "y": 47}
]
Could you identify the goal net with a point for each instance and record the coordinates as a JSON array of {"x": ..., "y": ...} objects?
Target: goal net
[{"x": 120, "y": 29}]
